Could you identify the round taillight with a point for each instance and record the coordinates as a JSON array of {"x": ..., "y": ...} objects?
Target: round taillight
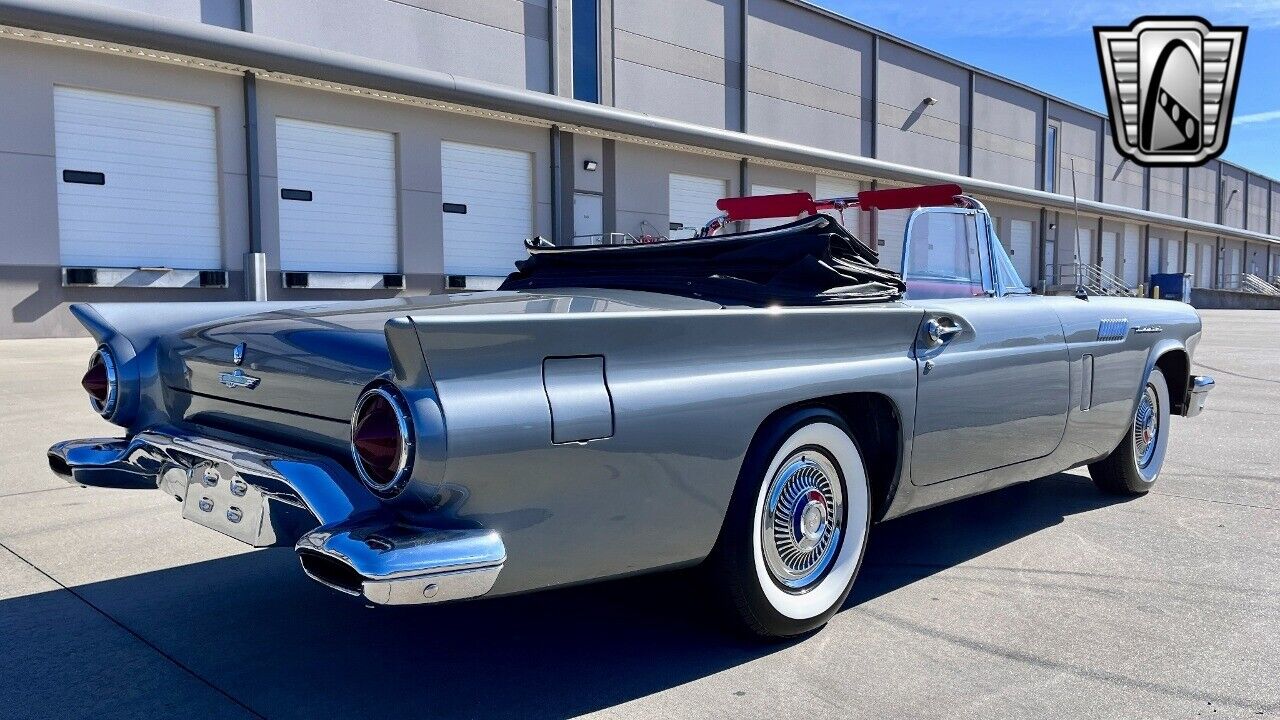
[
  {"x": 382, "y": 439},
  {"x": 101, "y": 382}
]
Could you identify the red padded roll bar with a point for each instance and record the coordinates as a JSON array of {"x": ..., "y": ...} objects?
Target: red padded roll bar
[
  {"x": 911, "y": 197},
  {"x": 761, "y": 207}
]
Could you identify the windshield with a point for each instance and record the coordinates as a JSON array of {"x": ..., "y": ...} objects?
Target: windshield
[{"x": 1006, "y": 274}]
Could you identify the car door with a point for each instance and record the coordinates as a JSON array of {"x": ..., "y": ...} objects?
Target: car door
[{"x": 991, "y": 359}]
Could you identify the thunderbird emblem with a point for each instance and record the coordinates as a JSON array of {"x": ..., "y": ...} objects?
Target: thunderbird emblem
[
  {"x": 237, "y": 379},
  {"x": 1171, "y": 85},
  {"x": 237, "y": 354}
]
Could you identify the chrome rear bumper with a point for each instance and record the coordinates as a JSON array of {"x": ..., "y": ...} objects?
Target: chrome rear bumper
[
  {"x": 343, "y": 535},
  {"x": 1197, "y": 392}
]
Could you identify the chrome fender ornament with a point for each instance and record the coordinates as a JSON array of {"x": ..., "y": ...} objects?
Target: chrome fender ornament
[
  {"x": 238, "y": 379},
  {"x": 237, "y": 354}
]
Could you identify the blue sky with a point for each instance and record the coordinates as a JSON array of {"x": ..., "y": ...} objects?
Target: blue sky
[{"x": 1049, "y": 46}]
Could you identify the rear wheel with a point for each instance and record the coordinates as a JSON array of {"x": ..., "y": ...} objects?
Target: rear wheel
[
  {"x": 796, "y": 530},
  {"x": 1134, "y": 465}
]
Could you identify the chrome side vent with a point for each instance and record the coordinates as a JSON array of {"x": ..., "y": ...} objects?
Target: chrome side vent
[{"x": 1114, "y": 329}]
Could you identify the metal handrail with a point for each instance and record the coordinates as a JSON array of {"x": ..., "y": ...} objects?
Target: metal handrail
[
  {"x": 1248, "y": 282},
  {"x": 1093, "y": 279}
]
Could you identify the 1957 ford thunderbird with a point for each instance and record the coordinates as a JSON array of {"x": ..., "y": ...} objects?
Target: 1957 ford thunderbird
[{"x": 749, "y": 402}]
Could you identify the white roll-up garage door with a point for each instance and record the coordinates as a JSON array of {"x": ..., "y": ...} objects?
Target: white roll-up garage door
[
  {"x": 1130, "y": 260},
  {"x": 337, "y": 198},
  {"x": 1083, "y": 251},
  {"x": 827, "y": 188},
  {"x": 1108, "y": 259},
  {"x": 1204, "y": 278},
  {"x": 692, "y": 202},
  {"x": 137, "y": 181},
  {"x": 1171, "y": 258},
  {"x": 1020, "y": 235},
  {"x": 891, "y": 233},
  {"x": 488, "y": 196}
]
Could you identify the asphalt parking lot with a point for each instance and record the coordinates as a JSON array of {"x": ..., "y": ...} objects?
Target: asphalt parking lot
[{"x": 1043, "y": 600}]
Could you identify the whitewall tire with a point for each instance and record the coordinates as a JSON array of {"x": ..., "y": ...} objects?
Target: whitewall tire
[
  {"x": 1134, "y": 465},
  {"x": 796, "y": 532}
]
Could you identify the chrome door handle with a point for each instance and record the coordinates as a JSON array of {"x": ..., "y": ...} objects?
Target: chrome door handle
[{"x": 938, "y": 332}]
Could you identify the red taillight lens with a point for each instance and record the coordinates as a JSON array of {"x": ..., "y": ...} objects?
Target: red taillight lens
[
  {"x": 101, "y": 382},
  {"x": 382, "y": 439},
  {"x": 95, "y": 380}
]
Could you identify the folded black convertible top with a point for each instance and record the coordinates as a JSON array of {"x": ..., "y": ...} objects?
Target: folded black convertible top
[{"x": 812, "y": 261}]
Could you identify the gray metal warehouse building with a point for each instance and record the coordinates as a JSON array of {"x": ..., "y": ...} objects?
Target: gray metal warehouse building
[{"x": 293, "y": 149}]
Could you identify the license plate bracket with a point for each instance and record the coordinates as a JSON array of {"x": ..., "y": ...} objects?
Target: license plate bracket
[{"x": 219, "y": 498}]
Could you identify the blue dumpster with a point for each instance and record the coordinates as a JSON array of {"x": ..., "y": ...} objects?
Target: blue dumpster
[{"x": 1172, "y": 286}]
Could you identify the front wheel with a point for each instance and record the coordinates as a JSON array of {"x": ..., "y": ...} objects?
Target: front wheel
[
  {"x": 797, "y": 527},
  {"x": 1133, "y": 467}
]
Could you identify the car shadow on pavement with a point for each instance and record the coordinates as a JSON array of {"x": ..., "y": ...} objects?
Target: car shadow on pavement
[{"x": 252, "y": 626}]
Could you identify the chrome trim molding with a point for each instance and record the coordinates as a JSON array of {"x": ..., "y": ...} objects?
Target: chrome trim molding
[
  {"x": 404, "y": 426},
  {"x": 1197, "y": 392},
  {"x": 108, "y": 408}
]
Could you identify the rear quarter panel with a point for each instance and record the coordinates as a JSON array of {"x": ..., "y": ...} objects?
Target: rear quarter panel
[{"x": 688, "y": 390}]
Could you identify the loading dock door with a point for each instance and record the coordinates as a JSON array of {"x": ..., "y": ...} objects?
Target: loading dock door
[
  {"x": 337, "y": 195},
  {"x": 1171, "y": 258},
  {"x": 488, "y": 197},
  {"x": 1130, "y": 260},
  {"x": 1204, "y": 278},
  {"x": 1020, "y": 232},
  {"x": 1109, "y": 253},
  {"x": 692, "y": 202},
  {"x": 891, "y": 231},
  {"x": 137, "y": 181}
]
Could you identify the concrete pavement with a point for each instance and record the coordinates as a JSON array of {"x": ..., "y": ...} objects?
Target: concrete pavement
[{"x": 1043, "y": 600}]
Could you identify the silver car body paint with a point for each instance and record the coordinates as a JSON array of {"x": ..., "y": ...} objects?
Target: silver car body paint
[{"x": 689, "y": 383}]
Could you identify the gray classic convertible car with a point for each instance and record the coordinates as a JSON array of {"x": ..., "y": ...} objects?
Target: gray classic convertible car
[{"x": 750, "y": 403}]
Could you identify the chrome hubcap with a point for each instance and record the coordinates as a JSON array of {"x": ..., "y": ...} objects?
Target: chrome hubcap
[
  {"x": 803, "y": 515},
  {"x": 1146, "y": 427}
]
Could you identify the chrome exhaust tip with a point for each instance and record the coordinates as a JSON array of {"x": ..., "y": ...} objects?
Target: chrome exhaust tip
[{"x": 401, "y": 564}]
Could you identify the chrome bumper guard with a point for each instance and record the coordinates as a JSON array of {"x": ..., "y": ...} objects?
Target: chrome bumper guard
[
  {"x": 342, "y": 534},
  {"x": 1197, "y": 392}
]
